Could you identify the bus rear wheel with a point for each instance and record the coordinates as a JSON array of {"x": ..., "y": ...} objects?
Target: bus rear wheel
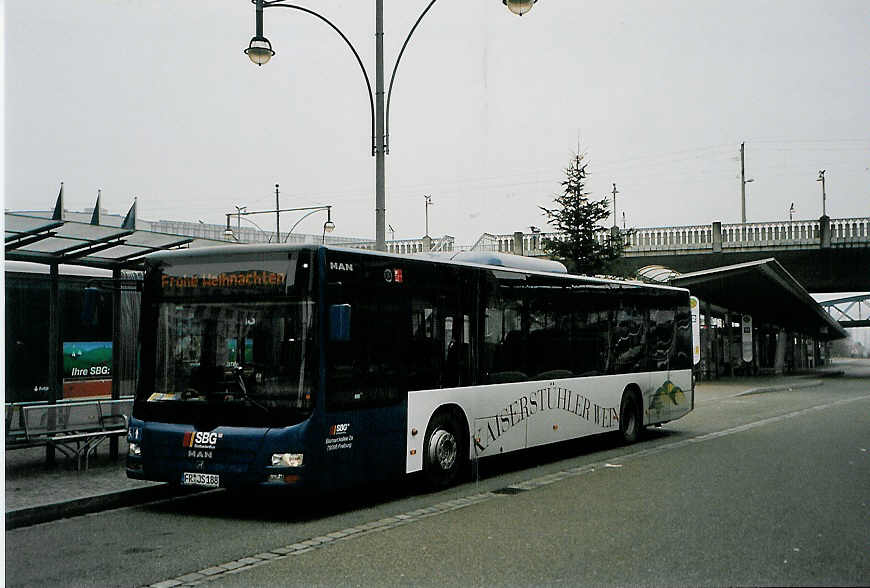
[
  {"x": 630, "y": 417},
  {"x": 443, "y": 451}
]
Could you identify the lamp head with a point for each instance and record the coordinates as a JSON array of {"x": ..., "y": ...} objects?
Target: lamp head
[
  {"x": 259, "y": 50},
  {"x": 519, "y": 7}
]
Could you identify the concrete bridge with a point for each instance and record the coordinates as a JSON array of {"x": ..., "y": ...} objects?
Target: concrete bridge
[{"x": 824, "y": 255}]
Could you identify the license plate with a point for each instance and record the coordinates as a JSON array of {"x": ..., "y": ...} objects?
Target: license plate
[{"x": 197, "y": 479}]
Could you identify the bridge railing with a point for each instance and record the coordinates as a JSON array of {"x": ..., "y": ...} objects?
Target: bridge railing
[
  {"x": 843, "y": 232},
  {"x": 691, "y": 237}
]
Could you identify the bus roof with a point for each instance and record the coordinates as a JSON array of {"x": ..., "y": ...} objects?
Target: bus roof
[
  {"x": 496, "y": 261},
  {"x": 28, "y": 267}
]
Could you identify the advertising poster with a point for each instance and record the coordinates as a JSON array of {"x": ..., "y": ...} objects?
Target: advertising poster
[
  {"x": 87, "y": 369},
  {"x": 746, "y": 337}
]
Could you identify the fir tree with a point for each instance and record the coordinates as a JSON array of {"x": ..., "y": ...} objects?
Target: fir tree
[{"x": 577, "y": 221}]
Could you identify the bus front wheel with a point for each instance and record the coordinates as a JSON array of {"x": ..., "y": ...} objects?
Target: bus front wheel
[
  {"x": 630, "y": 417},
  {"x": 443, "y": 454}
]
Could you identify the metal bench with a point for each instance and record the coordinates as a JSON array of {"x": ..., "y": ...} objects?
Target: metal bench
[{"x": 76, "y": 429}]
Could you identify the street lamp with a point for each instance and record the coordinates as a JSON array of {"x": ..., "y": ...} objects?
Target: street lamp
[
  {"x": 428, "y": 198},
  {"x": 240, "y": 213},
  {"x": 821, "y": 179},
  {"x": 260, "y": 51},
  {"x": 535, "y": 232},
  {"x": 743, "y": 182}
]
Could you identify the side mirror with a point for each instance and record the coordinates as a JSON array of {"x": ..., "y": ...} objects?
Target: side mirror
[{"x": 339, "y": 323}]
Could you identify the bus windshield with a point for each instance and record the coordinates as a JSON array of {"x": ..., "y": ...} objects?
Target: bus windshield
[
  {"x": 229, "y": 340},
  {"x": 243, "y": 353}
]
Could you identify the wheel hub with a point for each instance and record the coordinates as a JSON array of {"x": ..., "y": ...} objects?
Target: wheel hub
[{"x": 442, "y": 449}]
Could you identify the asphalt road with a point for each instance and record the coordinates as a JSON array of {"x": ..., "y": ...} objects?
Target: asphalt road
[{"x": 771, "y": 488}]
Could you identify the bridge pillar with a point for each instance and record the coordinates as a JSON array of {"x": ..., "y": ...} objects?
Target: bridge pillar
[
  {"x": 717, "y": 237},
  {"x": 779, "y": 358},
  {"x": 706, "y": 341},
  {"x": 825, "y": 232},
  {"x": 518, "y": 243},
  {"x": 729, "y": 344}
]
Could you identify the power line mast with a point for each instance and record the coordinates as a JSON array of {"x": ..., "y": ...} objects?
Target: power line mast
[{"x": 742, "y": 186}]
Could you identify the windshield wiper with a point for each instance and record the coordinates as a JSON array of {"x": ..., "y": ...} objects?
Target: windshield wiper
[{"x": 239, "y": 371}]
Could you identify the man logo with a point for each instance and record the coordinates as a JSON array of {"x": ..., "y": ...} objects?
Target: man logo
[{"x": 342, "y": 267}]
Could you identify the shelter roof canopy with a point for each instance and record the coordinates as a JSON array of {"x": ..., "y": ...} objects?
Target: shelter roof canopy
[
  {"x": 765, "y": 290},
  {"x": 50, "y": 241}
]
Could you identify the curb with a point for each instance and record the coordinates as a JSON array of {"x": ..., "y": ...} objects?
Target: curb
[
  {"x": 795, "y": 385},
  {"x": 26, "y": 517},
  {"x": 780, "y": 388}
]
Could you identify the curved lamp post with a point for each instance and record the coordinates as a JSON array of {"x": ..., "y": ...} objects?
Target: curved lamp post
[
  {"x": 241, "y": 213},
  {"x": 260, "y": 51},
  {"x": 328, "y": 226},
  {"x": 228, "y": 233}
]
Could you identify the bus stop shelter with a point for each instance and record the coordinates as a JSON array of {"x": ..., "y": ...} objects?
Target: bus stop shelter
[
  {"x": 781, "y": 309},
  {"x": 55, "y": 241}
]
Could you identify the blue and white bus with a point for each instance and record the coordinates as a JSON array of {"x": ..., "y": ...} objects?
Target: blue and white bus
[{"x": 323, "y": 367}]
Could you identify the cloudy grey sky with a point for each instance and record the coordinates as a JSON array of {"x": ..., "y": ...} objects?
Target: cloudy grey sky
[{"x": 155, "y": 99}]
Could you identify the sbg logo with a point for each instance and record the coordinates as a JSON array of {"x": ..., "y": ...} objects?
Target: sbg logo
[
  {"x": 339, "y": 429},
  {"x": 201, "y": 439}
]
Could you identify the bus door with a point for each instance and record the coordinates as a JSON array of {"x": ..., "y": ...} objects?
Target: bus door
[
  {"x": 460, "y": 332},
  {"x": 365, "y": 375}
]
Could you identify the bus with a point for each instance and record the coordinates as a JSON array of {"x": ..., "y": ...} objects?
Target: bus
[{"x": 324, "y": 367}]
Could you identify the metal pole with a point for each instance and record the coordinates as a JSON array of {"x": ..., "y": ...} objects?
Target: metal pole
[
  {"x": 116, "y": 351},
  {"x": 380, "y": 190},
  {"x": 615, "y": 192},
  {"x": 742, "y": 187},
  {"x": 55, "y": 354},
  {"x": 277, "y": 217},
  {"x": 428, "y": 204},
  {"x": 822, "y": 180}
]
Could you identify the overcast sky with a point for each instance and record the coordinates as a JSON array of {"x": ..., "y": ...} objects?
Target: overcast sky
[{"x": 155, "y": 99}]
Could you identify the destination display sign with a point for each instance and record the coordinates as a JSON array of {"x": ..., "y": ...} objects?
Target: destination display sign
[{"x": 242, "y": 280}]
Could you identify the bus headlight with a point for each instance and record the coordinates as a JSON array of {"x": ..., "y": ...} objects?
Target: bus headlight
[
  {"x": 134, "y": 450},
  {"x": 289, "y": 460}
]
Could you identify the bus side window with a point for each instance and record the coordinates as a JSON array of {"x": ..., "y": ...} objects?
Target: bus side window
[
  {"x": 504, "y": 356},
  {"x": 629, "y": 340},
  {"x": 457, "y": 353},
  {"x": 425, "y": 353},
  {"x": 661, "y": 336},
  {"x": 682, "y": 352}
]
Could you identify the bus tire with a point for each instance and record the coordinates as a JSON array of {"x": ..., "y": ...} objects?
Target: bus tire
[
  {"x": 630, "y": 417},
  {"x": 443, "y": 450}
]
